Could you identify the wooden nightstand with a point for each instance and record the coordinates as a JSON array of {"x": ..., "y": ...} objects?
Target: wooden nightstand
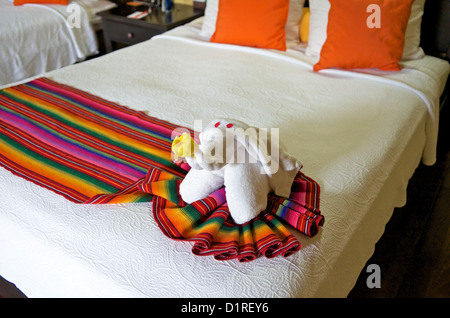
[{"x": 120, "y": 29}]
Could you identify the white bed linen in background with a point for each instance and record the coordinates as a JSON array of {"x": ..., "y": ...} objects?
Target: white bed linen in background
[
  {"x": 359, "y": 137},
  {"x": 35, "y": 39}
]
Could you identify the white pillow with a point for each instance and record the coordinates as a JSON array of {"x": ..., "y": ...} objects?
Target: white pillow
[
  {"x": 292, "y": 23},
  {"x": 210, "y": 17},
  {"x": 319, "y": 20},
  {"x": 412, "y": 49}
]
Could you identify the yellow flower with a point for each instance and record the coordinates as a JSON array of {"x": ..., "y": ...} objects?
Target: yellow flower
[{"x": 183, "y": 146}]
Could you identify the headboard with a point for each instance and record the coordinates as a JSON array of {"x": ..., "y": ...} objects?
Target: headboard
[{"x": 435, "y": 38}]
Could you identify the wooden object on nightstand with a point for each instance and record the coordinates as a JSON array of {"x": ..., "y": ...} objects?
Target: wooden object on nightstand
[
  {"x": 118, "y": 28},
  {"x": 200, "y": 4}
]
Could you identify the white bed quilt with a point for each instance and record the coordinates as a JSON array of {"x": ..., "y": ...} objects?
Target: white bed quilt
[
  {"x": 35, "y": 39},
  {"x": 359, "y": 136}
]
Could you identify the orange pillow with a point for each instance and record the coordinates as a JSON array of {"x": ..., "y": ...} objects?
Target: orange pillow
[
  {"x": 20, "y": 2},
  {"x": 365, "y": 34},
  {"x": 256, "y": 23},
  {"x": 304, "y": 25}
]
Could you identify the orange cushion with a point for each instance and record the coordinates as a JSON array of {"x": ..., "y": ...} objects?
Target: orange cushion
[
  {"x": 256, "y": 23},
  {"x": 20, "y": 2},
  {"x": 304, "y": 25},
  {"x": 359, "y": 36}
]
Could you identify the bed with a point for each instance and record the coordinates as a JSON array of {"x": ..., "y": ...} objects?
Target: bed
[
  {"x": 359, "y": 134},
  {"x": 37, "y": 38}
]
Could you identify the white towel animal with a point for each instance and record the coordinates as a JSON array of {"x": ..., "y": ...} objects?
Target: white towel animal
[{"x": 249, "y": 161}]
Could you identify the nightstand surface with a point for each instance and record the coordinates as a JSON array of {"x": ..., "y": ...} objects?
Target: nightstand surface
[{"x": 118, "y": 28}]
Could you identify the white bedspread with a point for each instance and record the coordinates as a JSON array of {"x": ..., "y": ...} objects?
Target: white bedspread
[
  {"x": 35, "y": 39},
  {"x": 361, "y": 137}
]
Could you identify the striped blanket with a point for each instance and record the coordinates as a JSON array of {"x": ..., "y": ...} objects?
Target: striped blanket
[{"x": 93, "y": 151}]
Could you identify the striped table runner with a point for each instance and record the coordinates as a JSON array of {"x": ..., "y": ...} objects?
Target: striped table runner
[{"x": 93, "y": 151}]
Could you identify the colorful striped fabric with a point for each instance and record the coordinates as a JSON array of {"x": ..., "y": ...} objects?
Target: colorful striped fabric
[
  {"x": 208, "y": 223},
  {"x": 93, "y": 151}
]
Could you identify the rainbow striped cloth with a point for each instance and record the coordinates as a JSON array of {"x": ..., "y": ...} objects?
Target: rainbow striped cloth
[{"x": 94, "y": 151}]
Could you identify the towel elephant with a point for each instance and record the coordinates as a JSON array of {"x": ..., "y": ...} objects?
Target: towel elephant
[{"x": 248, "y": 161}]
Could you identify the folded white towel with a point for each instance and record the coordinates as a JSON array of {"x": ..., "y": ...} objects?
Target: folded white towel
[{"x": 250, "y": 162}]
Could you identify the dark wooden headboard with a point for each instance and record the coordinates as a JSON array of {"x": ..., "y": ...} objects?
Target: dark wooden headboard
[{"x": 435, "y": 38}]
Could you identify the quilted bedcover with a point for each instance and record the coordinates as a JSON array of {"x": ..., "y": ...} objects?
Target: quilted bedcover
[{"x": 360, "y": 136}]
